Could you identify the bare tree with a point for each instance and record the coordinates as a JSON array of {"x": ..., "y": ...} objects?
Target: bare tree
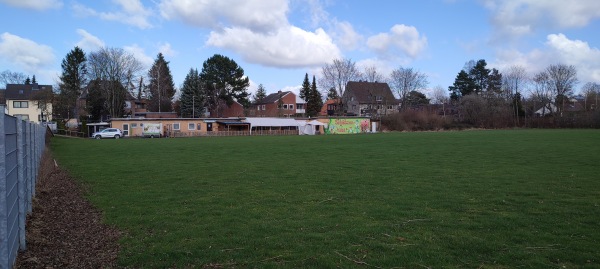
[
  {"x": 541, "y": 92},
  {"x": 9, "y": 77},
  {"x": 337, "y": 74},
  {"x": 371, "y": 75},
  {"x": 514, "y": 82},
  {"x": 590, "y": 92},
  {"x": 440, "y": 97},
  {"x": 406, "y": 80},
  {"x": 109, "y": 66},
  {"x": 563, "y": 79}
]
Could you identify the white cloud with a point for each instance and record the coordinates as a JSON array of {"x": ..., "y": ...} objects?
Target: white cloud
[
  {"x": 88, "y": 41},
  {"x": 401, "y": 39},
  {"x": 514, "y": 18},
  {"x": 344, "y": 34},
  {"x": 558, "y": 49},
  {"x": 34, "y": 4},
  {"x": 257, "y": 15},
  {"x": 26, "y": 54},
  {"x": 167, "y": 50},
  {"x": 258, "y": 30},
  {"x": 139, "y": 53},
  {"x": 288, "y": 47},
  {"x": 132, "y": 12}
]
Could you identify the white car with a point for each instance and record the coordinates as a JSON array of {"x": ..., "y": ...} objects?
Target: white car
[{"x": 108, "y": 133}]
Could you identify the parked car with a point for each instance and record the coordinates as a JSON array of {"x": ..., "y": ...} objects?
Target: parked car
[{"x": 108, "y": 133}]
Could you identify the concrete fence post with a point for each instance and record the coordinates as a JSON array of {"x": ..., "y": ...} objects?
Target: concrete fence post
[
  {"x": 22, "y": 200},
  {"x": 4, "y": 252}
]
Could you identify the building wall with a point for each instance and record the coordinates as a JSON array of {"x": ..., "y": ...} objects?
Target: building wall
[
  {"x": 272, "y": 110},
  {"x": 32, "y": 110},
  {"x": 235, "y": 110},
  {"x": 168, "y": 125}
]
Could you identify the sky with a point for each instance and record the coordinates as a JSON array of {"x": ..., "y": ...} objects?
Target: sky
[{"x": 277, "y": 42}]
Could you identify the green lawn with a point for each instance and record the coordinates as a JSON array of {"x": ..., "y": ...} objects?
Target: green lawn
[{"x": 470, "y": 199}]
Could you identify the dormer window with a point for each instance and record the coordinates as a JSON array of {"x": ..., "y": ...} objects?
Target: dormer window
[{"x": 379, "y": 98}]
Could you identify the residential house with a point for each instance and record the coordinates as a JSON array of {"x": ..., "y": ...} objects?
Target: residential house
[
  {"x": 369, "y": 99},
  {"x": 279, "y": 104},
  {"x": 32, "y": 102},
  {"x": 234, "y": 110},
  {"x": 134, "y": 107},
  {"x": 329, "y": 107}
]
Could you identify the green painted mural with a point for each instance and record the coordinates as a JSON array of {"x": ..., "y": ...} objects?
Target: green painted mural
[{"x": 348, "y": 126}]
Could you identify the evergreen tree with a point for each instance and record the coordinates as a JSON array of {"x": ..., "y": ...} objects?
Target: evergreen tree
[
  {"x": 33, "y": 80},
  {"x": 480, "y": 76},
  {"x": 225, "y": 82},
  {"x": 162, "y": 88},
  {"x": 332, "y": 94},
  {"x": 463, "y": 85},
  {"x": 261, "y": 93},
  {"x": 192, "y": 99},
  {"x": 305, "y": 91},
  {"x": 314, "y": 101},
  {"x": 27, "y": 81},
  {"x": 72, "y": 81}
]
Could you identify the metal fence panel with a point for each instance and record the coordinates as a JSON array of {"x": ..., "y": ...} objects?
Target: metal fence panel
[{"x": 21, "y": 148}]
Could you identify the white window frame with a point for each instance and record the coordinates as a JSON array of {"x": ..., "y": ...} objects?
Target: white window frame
[
  {"x": 133, "y": 125},
  {"x": 263, "y": 107},
  {"x": 191, "y": 126},
  {"x": 21, "y": 104},
  {"x": 178, "y": 126},
  {"x": 291, "y": 107}
]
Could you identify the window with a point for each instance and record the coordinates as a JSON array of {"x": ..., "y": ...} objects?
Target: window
[
  {"x": 299, "y": 106},
  {"x": 291, "y": 107},
  {"x": 20, "y": 104},
  {"x": 263, "y": 107},
  {"x": 191, "y": 126},
  {"x": 379, "y": 98},
  {"x": 176, "y": 126},
  {"x": 258, "y": 107},
  {"x": 390, "y": 107},
  {"x": 24, "y": 117},
  {"x": 199, "y": 126},
  {"x": 133, "y": 125},
  {"x": 285, "y": 106}
]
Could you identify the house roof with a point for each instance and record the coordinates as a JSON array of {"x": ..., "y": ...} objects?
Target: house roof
[
  {"x": 367, "y": 92},
  {"x": 323, "y": 111},
  {"x": 24, "y": 91},
  {"x": 271, "y": 122},
  {"x": 274, "y": 97}
]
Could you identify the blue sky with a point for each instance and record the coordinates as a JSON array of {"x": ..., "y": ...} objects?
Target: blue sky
[{"x": 277, "y": 41}]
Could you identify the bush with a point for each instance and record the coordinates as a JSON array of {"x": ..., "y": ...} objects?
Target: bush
[{"x": 412, "y": 120}]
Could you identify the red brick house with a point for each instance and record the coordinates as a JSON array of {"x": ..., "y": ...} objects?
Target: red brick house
[
  {"x": 234, "y": 110},
  {"x": 279, "y": 104}
]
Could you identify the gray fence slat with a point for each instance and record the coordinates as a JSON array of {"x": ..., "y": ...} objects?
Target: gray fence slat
[{"x": 21, "y": 147}]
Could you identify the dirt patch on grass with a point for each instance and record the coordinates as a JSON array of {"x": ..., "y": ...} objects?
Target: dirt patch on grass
[{"x": 65, "y": 230}]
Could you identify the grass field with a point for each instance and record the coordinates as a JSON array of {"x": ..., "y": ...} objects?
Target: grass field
[{"x": 470, "y": 199}]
